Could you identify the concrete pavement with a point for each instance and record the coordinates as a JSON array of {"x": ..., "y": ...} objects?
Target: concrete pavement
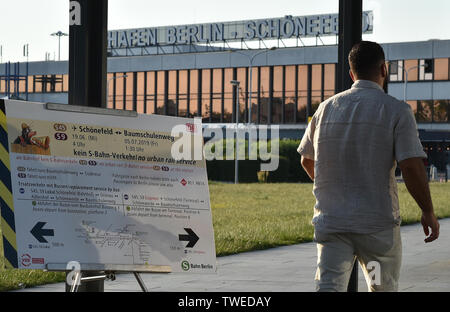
[{"x": 425, "y": 267}]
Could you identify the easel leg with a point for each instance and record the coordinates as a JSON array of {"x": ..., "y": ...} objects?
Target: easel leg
[
  {"x": 76, "y": 282},
  {"x": 140, "y": 281}
]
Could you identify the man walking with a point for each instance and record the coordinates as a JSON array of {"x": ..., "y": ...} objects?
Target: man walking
[{"x": 350, "y": 150}]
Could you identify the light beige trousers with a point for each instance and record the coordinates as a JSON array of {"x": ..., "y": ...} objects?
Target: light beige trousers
[{"x": 379, "y": 254}]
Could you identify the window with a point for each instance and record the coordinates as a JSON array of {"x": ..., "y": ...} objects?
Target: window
[
  {"x": 396, "y": 70},
  {"x": 316, "y": 87},
  {"x": 194, "y": 93},
  {"x": 11, "y": 86},
  {"x": 426, "y": 69},
  {"x": 278, "y": 100},
  {"x": 30, "y": 83},
  {"x": 150, "y": 96},
  {"x": 140, "y": 90},
  {"x": 290, "y": 108},
  {"x": 254, "y": 93},
  {"x": 172, "y": 94},
  {"x": 302, "y": 96},
  {"x": 110, "y": 90},
  {"x": 129, "y": 86},
  {"x": 228, "y": 106},
  {"x": 217, "y": 95},
  {"x": 45, "y": 83},
  {"x": 411, "y": 67},
  {"x": 37, "y": 85},
  {"x": 161, "y": 76},
  {"x": 441, "y": 69},
  {"x": 329, "y": 80},
  {"x": 206, "y": 96},
  {"x": 424, "y": 111},
  {"x": 264, "y": 95},
  {"x": 182, "y": 93},
  {"x": 119, "y": 86},
  {"x": 65, "y": 83},
  {"x": 242, "y": 78},
  {"x": 441, "y": 111}
]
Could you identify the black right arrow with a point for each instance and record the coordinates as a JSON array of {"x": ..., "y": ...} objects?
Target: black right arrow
[
  {"x": 192, "y": 238},
  {"x": 38, "y": 232}
]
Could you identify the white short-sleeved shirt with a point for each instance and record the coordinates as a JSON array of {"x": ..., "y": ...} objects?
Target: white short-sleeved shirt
[{"x": 355, "y": 139}]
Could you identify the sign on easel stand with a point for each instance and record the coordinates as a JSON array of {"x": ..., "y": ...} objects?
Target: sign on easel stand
[{"x": 102, "y": 188}]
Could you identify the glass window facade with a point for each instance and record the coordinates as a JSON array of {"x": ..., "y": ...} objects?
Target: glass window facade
[
  {"x": 437, "y": 111},
  {"x": 284, "y": 94}
]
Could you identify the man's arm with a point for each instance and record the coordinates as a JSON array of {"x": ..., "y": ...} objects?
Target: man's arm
[
  {"x": 416, "y": 181},
  {"x": 308, "y": 165}
]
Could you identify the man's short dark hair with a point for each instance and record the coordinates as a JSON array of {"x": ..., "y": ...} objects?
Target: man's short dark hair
[{"x": 365, "y": 58}]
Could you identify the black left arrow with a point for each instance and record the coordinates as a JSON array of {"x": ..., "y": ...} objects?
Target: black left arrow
[
  {"x": 38, "y": 232},
  {"x": 192, "y": 238}
]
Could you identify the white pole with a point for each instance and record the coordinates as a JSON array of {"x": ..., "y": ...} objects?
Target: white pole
[
  {"x": 406, "y": 86},
  {"x": 236, "y": 162},
  {"x": 406, "y": 80},
  {"x": 250, "y": 95}
]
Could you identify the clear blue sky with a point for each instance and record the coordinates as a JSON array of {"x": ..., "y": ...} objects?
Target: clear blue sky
[{"x": 32, "y": 22}]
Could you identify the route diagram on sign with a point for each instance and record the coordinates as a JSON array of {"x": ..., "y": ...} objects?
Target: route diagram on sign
[{"x": 121, "y": 237}]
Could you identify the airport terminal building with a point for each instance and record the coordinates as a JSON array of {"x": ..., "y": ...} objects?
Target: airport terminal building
[{"x": 186, "y": 71}]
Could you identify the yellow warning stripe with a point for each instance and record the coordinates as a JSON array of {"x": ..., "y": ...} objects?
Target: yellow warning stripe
[
  {"x": 9, "y": 234},
  {"x": 6, "y": 195},
  {"x": 3, "y": 121},
  {"x": 4, "y": 157}
]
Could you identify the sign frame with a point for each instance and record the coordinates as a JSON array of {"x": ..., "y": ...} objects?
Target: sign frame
[{"x": 7, "y": 201}]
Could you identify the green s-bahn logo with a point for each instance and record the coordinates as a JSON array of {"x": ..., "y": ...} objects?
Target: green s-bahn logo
[{"x": 185, "y": 265}]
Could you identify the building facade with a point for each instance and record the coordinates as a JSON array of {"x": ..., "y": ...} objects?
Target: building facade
[{"x": 285, "y": 84}]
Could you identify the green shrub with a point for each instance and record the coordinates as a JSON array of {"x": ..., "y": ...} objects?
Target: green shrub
[
  {"x": 223, "y": 170},
  {"x": 290, "y": 169},
  {"x": 288, "y": 149},
  {"x": 282, "y": 173}
]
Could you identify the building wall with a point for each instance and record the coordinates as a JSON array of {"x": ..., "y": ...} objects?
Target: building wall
[{"x": 287, "y": 83}]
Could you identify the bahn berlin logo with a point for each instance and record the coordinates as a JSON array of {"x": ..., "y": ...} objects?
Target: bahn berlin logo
[{"x": 186, "y": 266}]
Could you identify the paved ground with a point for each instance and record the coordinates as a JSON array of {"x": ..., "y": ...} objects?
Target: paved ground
[{"x": 425, "y": 267}]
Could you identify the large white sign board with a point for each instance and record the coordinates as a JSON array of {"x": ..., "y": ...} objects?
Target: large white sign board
[{"x": 101, "y": 189}]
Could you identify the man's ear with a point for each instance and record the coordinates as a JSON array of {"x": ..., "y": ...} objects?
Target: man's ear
[
  {"x": 384, "y": 70},
  {"x": 351, "y": 75}
]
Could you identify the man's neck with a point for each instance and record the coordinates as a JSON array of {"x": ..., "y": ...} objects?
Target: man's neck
[{"x": 377, "y": 81}]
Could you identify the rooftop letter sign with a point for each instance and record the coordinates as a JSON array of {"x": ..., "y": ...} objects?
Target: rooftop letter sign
[{"x": 274, "y": 28}]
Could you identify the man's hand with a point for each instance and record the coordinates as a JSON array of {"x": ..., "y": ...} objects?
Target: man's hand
[
  {"x": 429, "y": 220},
  {"x": 416, "y": 182}
]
